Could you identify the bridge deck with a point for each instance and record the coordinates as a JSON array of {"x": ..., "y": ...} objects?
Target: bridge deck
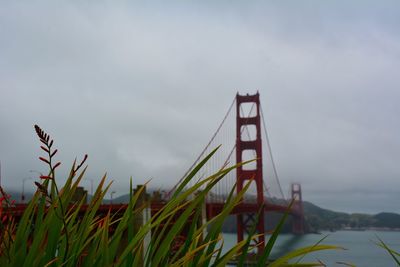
[
  {"x": 212, "y": 208},
  {"x": 216, "y": 208}
]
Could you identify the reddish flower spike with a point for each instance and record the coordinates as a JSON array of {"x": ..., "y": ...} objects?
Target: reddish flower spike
[
  {"x": 44, "y": 148},
  {"x": 52, "y": 154},
  {"x": 57, "y": 164},
  {"x": 45, "y": 160},
  {"x": 45, "y": 177},
  {"x": 83, "y": 161}
]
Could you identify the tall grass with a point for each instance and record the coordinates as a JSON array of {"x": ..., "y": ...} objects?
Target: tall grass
[
  {"x": 54, "y": 231},
  {"x": 394, "y": 254}
]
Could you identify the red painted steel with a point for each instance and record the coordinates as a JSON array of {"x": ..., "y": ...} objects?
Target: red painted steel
[
  {"x": 214, "y": 209},
  {"x": 245, "y": 220},
  {"x": 298, "y": 218},
  {"x": 19, "y": 208}
]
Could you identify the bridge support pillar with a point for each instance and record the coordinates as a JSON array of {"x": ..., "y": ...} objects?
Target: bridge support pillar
[
  {"x": 246, "y": 221},
  {"x": 298, "y": 216}
]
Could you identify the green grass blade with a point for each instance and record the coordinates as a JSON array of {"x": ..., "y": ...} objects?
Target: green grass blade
[
  {"x": 299, "y": 252},
  {"x": 216, "y": 227},
  {"x": 267, "y": 250},
  {"x": 223, "y": 261},
  {"x": 246, "y": 246},
  {"x": 195, "y": 170},
  {"x": 389, "y": 250}
]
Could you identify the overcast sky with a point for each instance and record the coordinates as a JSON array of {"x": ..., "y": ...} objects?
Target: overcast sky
[{"x": 142, "y": 87}]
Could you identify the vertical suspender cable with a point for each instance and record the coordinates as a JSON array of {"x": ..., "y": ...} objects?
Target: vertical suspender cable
[
  {"x": 207, "y": 146},
  {"x": 270, "y": 153}
]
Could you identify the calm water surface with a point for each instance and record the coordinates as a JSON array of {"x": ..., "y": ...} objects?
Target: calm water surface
[{"x": 359, "y": 245}]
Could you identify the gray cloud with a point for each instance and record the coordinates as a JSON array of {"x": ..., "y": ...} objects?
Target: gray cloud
[{"x": 141, "y": 88}]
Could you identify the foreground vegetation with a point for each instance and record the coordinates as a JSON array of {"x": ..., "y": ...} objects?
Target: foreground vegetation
[{"x": 52, "y": 232}]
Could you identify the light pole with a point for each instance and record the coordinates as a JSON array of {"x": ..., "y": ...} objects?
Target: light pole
[
  {"x": 111, "y": 195},
  {"x": 23, "y": 189}
]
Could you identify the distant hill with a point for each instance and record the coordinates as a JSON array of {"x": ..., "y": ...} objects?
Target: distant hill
[
  {"x": 318, "y": 219},
  {"x": 386, "y": 219}
]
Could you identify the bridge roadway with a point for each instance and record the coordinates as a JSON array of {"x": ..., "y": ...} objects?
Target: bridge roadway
[
  {"x": 19, "y": 209},
  {"x": 212, "y": 209},
  {"x": 242, "y": 208}
]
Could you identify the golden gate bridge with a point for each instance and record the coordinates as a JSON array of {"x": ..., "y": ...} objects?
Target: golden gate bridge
[{"x": 248, "y": 141}]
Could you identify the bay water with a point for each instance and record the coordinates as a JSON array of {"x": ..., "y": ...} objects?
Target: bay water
[{"x": 360, "y": 247}]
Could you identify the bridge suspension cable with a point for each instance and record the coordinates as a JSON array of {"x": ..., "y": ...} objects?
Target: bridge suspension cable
[
  {"x": 223, "y": 135},
  {"x": 241, "y": 131},
  {"x": 266, "y": 190},
  {"x": 207, "y": 146},
  {"x": 270, "y": 154}
]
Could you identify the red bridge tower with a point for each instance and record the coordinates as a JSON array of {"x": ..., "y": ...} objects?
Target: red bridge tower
[
  {"x": 246, "y": 221},
  {"x": 298, "y": 215}
]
